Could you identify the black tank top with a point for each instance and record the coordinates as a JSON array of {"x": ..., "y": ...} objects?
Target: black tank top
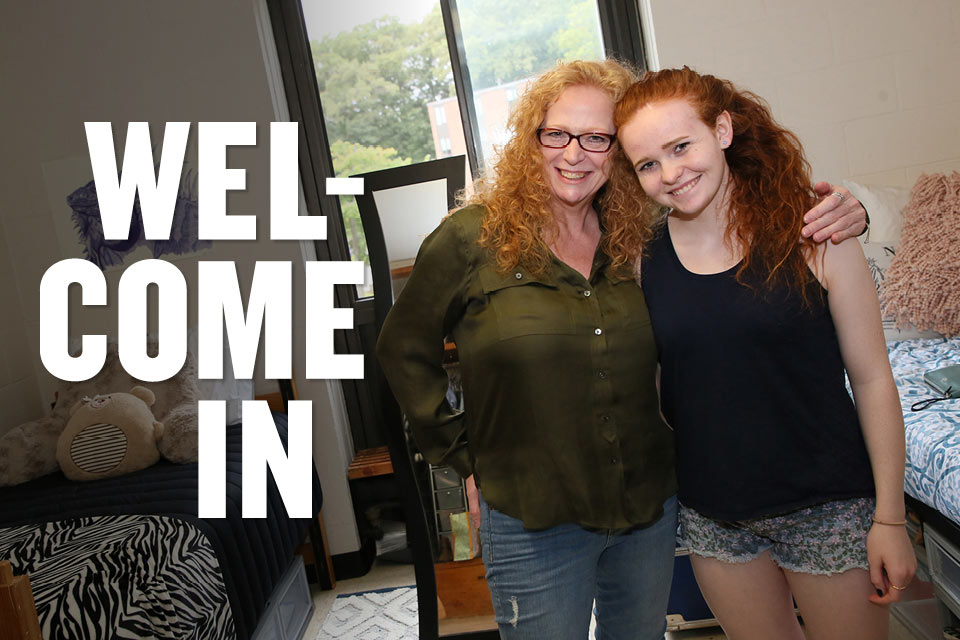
[{"x": 753, "y": 384}]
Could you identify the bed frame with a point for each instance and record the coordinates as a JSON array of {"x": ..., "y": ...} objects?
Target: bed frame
[{"x": 288, "y": 608}]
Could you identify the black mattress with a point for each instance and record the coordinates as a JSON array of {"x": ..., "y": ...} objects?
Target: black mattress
[
  {"x": 930, "y": 516},
  {"x": 253, "y": 553}
]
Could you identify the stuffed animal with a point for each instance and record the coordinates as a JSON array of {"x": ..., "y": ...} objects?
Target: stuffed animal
[
  {"x": 110, "y": 436},
  {"x": 29, "y": 450}
]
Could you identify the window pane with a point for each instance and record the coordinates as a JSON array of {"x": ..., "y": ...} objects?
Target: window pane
[
  {"x": 385, "y": 79},
  {"x": 507, "y": 43}
]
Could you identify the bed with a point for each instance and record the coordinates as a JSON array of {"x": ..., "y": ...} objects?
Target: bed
[
  {"x": 127, "y": 557},
  {"x": 931, "y": 482},
  {"x": 932, "y": 434},
  {"x": 911, "y": 251}
]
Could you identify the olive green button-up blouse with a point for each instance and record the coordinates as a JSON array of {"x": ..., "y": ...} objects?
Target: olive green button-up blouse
[{"x": 561, "y": 419}]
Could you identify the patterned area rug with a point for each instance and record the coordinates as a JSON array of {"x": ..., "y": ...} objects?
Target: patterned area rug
[{"x": 384, "y": 614}]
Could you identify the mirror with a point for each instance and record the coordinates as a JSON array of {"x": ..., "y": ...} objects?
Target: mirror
[{"x": 398, "y": 209}]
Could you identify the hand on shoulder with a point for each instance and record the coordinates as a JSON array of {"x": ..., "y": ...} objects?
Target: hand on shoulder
[{"x": 836, "y": 217}]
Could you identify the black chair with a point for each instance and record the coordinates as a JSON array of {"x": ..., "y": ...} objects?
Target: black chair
[{"x": 419, "y": 533}]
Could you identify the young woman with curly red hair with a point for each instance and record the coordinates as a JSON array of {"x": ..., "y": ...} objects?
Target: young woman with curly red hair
[
  {"x": 787, "y": 488},
  {"x": 561, "y": 427}
]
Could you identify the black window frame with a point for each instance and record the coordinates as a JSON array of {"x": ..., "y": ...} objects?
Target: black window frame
[{"x": 622, "y": 39}]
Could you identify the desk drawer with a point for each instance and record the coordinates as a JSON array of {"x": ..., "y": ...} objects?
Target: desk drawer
[
  {"x": 443, "y": 518},
  {"x": 289, "y": 607},
  {"x": 450, "y": 499},
  {"x": 445, "y": 478},
  {"x": 943, "y": 559},
  {"x": 920, "y": 617}
]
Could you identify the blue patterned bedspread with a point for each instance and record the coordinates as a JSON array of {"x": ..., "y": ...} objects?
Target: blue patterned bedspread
[{"x": 933, "y": 434}]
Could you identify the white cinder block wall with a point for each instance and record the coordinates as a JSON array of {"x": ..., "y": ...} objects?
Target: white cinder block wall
[{"x": 870, "y": 86}]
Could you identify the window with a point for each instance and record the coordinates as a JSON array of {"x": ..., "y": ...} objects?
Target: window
[
  {"x": 383, "y": 68},
  {"x": 380, "y": 68},
  {"x": 507, "y": 43}
]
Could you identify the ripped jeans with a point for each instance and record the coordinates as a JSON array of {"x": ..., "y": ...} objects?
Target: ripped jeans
[{"x": 544, "y": 583}]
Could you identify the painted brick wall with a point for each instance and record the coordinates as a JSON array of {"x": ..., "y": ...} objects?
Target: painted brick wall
[
  {"x": 870, "y": 86},
  {"x": 18, "y": 389}
]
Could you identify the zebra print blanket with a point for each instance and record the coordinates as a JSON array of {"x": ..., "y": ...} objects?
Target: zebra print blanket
[{"x": 138, "y": 576}]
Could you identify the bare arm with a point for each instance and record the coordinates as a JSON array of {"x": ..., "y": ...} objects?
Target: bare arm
[{"x": 856, "y": 315}]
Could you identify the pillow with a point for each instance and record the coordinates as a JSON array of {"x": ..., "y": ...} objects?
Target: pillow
[
  {"x": 229, "y": 388},
  {"x": 29, "y": 450},
  {"x": 879, "y": 256},
  {"x": 923, "y": 282},
  {"x": 885, "y": 207},
  {"x": 110, "y": 435}
]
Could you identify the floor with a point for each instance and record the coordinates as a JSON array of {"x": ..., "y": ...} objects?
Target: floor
[
  {"x": 383, "y": 575},
  {"x": 897, "y": 632},
  {"x": 388, "y": 574}
]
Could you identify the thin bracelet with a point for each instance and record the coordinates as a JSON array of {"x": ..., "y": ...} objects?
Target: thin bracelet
[{"x": 891, "y": 524}]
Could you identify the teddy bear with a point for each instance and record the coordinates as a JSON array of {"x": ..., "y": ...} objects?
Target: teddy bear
[
  {"x": 110, "y": 435},
  {"x": 29, "y": 450}
]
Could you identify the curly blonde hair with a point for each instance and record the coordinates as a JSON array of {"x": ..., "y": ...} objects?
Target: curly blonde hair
[{"x": 516, "y": 195}]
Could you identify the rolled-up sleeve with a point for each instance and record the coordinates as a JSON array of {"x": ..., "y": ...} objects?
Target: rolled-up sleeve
[{"x": 410, "y": 345}]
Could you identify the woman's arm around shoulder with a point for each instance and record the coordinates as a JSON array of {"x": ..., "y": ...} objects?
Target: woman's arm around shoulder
[{"x": 855, "y": 309}]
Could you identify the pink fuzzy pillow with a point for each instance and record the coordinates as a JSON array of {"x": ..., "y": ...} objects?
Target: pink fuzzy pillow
[{"x": 922, "y": 286}]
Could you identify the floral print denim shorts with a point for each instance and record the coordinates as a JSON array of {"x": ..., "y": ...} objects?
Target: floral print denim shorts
[{"x": 823, "y": 539}]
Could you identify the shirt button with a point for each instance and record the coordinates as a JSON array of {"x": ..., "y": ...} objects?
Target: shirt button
[
  {"x": 613, "y": 460},
  {"x": 519, "y": 275},
  {"x": 598, "y": 331},
  {"x": 586, "y": 294}
]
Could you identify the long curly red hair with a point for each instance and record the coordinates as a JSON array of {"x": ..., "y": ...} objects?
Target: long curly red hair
[
  {"x": 515, "y": 192},
  {"x": 770, "y": 177}
]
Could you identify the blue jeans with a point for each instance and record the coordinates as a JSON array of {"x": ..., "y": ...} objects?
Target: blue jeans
[{"x": 544, "y": 583}]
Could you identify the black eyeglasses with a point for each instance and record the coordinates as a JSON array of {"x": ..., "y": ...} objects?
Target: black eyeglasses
[{"x": 593, "y": 141}]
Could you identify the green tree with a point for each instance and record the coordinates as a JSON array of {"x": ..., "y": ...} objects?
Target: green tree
[
  {"x": 580, "y": 38},
  {"x": 376, "y": 80},
  {"x": 506, "y": 40},
  {"x": 350, "y": 159}
]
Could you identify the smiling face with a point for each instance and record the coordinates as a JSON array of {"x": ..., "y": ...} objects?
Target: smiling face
[
  {"x": 678, "y": 159},
  {"x": 575, "y": 175}
]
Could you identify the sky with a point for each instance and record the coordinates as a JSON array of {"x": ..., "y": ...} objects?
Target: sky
[{"x": 328, "y": 17}]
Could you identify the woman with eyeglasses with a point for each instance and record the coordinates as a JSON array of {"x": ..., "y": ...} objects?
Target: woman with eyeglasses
[{"x": 561, "y": 430}]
